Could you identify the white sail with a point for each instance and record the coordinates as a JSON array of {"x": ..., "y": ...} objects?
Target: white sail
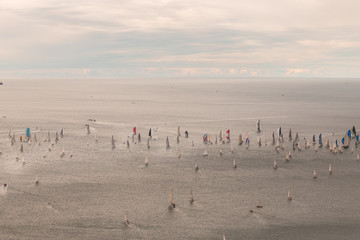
[
  {"x": 330, "y": 169},
  {"x": 358, "y": 157},
  {"x": 314, "y": 173},
  {"x": 191, "y": 197},
  {"x": 287, "y": 158},
  {"x": 146, "y": 161},
  {"x": 275, "y": 164},
  {"x": 289, "y": 195},
  {"x": 205, "y": 153},
  {"x": 224, "y": 238},
  {"x": 234, "y": 164}
]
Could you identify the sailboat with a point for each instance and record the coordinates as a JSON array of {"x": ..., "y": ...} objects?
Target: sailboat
[
  {"x": 62, "y": 133},
  {"x": 113, "y": 142},
  {"x": 240, "y": 140},
  {"x": 127, "y": 143},
  {"x": 148, "y": 142},
  {"x": 290, "y": 136},
  {"x": 56, "y": 137},
  {"x": 320, "y": 140},
  {"x": 273, "y": 138},
  {"x": 150, "y": 133},
  {"x": 258, "y": 126},
  {"x": 289, "y": 196},
  {"x": 221, "y": 150},
  {"x": 62, "y": 152},
  {"x": 191, "y": 197},
  {"x": 96, "y": 138},
  {"x": 126, "y": 220},
  {"x": 287, "y": 158},
  {"x": 224, "y": 238},
  {"x": 314, "y": 140},
  {"x": 178, "y": 131},
  {"x": 205, "y": 153},
  {"x": 171, "y": 199},
  {"x": 196, "y": 167},
  {"x": 299, "y": 146},
  {"x": 314, "y": 173},
  {"x": 178, "y": 139},
  {"x": 259, "y": 141},
  {"x": 234, "y": 164},
  {"x": 146, "y": 161},
  {"x": 23, "y": 160},
  {"x": 36, "y": 180},
  {"x": 167, "y": 143},
  {"x": 48, "y": 139},
  {"x": 358, "y": 157},
  {"x": 330, "y": 169},
  {"x": 21, "y": 148},
  {"x": 275, "y": 164},
  {"x": 346, "y": 141}
]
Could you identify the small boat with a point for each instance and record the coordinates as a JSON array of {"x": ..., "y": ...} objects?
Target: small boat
[
  {"x": 191, "y": 197},
  {"x": 126, "y": 220},
  {"x": 258, "y": 126},
  {"x": 148, "y": 142},
  {"x": 171, "y": 199},
  {"x": 275, "y": 164},
  {"x": 234, "y": 164},
  {"x": 62, "y": 133},
  {"x": 287, "y": 157},
  {"x": 330, "y": 169},
  {"x": 240, "y": 140},
  {"x": 259, "y": 141},
  {"x": 146, "y": 161},
  {"x": 196, "y": 167},
  {"x": 205, "y": 154},
  {"x": 290, "y": 136},
  {"x": 320, "y": 140},
  {"x": 167, "y": 143},
  {"x": 113, "y": 142},
  {"x": 314, "y": 173},
  {"x": 36, "y": 180},
  {"x": 289, "y": 196},
  {"x": 345, "y": 141}
]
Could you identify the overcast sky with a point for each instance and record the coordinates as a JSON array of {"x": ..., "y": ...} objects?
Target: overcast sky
[{"x": 163, "y": 38}]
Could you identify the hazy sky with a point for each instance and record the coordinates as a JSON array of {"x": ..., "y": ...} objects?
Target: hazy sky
[{"x": 197, "y": 38}]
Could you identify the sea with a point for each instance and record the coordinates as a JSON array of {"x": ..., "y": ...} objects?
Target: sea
[{"x": 87, "y": 193}]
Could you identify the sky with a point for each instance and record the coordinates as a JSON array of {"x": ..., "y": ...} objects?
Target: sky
[{"x": 171, "y": 39}]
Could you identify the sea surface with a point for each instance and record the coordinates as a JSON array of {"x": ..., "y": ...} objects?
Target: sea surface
[{"x": 87, "y": 193}]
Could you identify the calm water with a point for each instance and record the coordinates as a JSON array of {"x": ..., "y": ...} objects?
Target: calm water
[{"x": 90, "y": 193}]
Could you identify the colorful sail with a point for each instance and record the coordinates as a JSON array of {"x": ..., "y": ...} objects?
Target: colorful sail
[
  {"x": 134, "y": 130},
  {"x": 228, "y": 134},
  {"x": 28, "y": 133},
  {"x": 205, "y": 137}
]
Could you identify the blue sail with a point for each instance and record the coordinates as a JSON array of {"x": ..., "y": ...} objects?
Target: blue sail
[
  {"x": 342, "y": 141},
  {"x": 28, "y": 133},
  {"x": 320, "y": 139},
  {"x": 336, "y": 143},
  {"x": 349, "y": 134},
  {"x": 357, "y": 138}
]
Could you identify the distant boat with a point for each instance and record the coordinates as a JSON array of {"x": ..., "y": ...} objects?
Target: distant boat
[
  {"x": 191, "y": 197},
  {"x": 62, "y": 152},
  {"x": 240, "y": 140},
  {"x": 1, "y": 83},
  {"x": 330, "y": 169},
  {"x": 358, "y": 156},
  {"x": 259, "y": 141},
  {"x": 234, "y": 164},
  {"x": 273, "y": 138},
  {"x": 314, "y": 140},
  {"x": 62, "y": 132},
  {"x": 221, "y": 150},
  {"x": 178, "y": 139},
  {"x": 196, "y": 167},
  {"x": 126, "y": 220},
  {"x": 287, "y": 158},
  {"x": 148, "y": 142},
  {"x": 275, "y": 164},
  {"x": 171, "y": 199},
  {"x": 205, "y": 153},
  {"x": 150, "y": 132},
  {"x": 178, "y": 131},
  {"x": 113, "y": 142},
  {"x": 258, "y": 126},
  {"x": 21, "y": 148},
  {"x": 290, "y": 136},
  {"x": 146, "y": 161},
  {"x": 127, "y": 143},
  {"x": 320, "y": 140},
  {"x": 167, "y": 143},
  {"x": 28, "y": 132},
  {"x": 36, "y": 180},
  {"x": 289, "y": 196},
  {"x": 345, "y": 141},
  {"x": 314, "y": 173}
]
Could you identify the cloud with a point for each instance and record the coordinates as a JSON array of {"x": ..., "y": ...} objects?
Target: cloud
[{"x": 239, "y": 38}]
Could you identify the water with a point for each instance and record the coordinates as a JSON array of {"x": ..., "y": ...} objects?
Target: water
[{"x": 90, "y": 193}]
